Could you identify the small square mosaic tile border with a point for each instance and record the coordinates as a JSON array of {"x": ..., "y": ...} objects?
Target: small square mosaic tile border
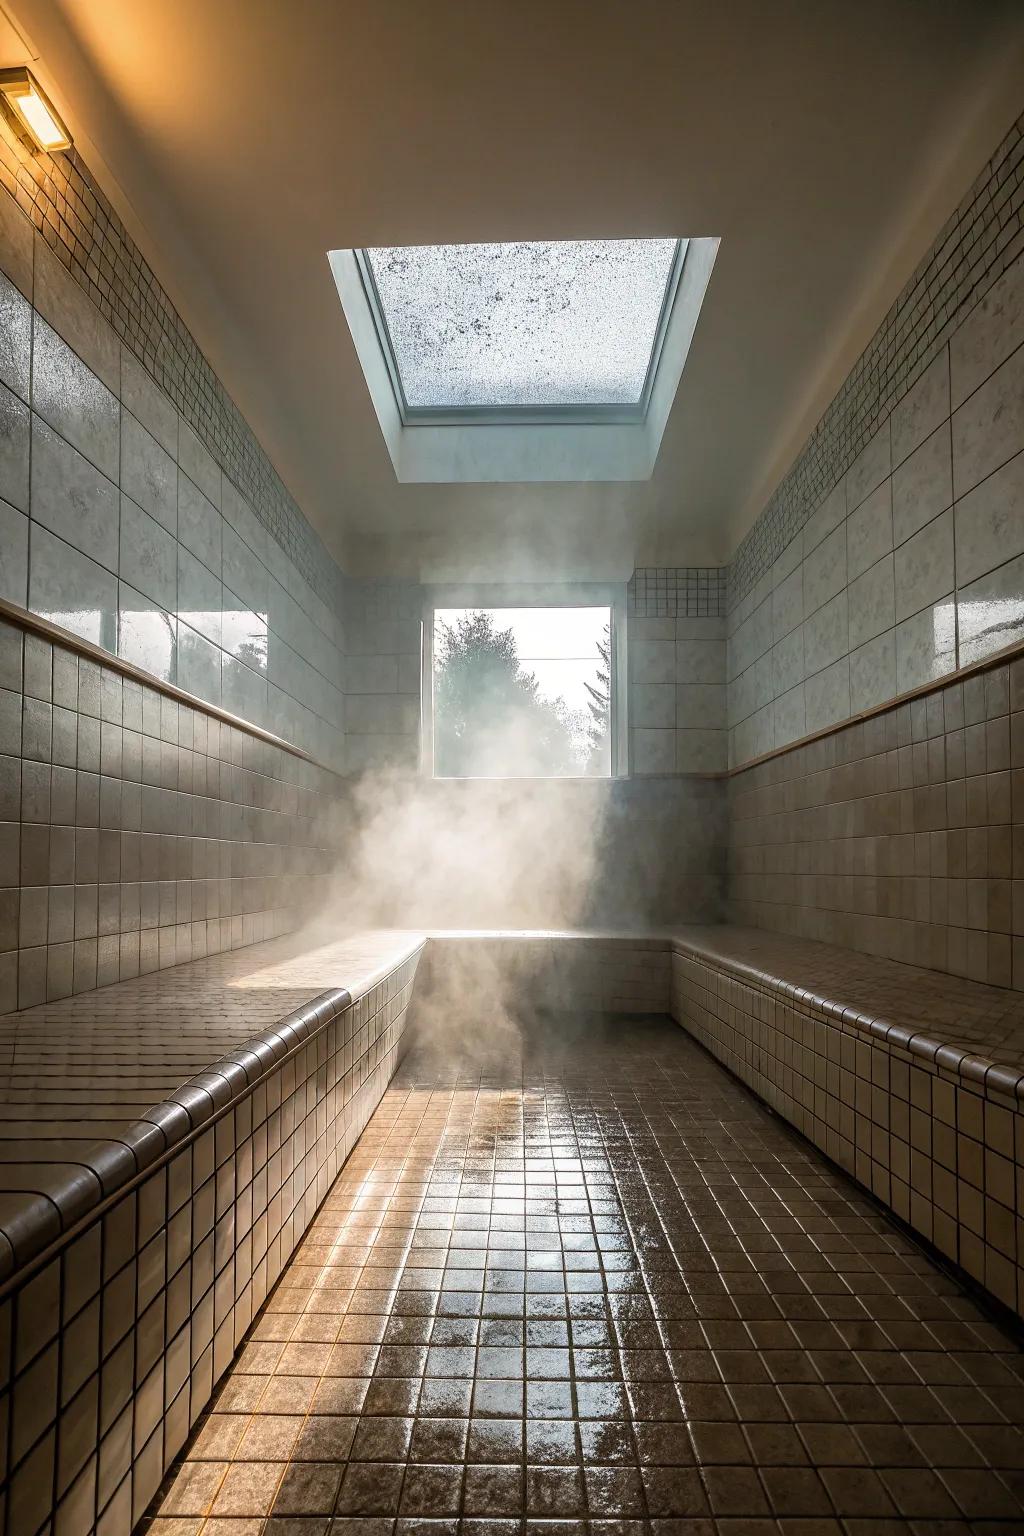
[{"x": 690, "y": 592}]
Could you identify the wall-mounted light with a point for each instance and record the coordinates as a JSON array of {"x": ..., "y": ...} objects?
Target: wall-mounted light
[{"x": 31, "y": 106}]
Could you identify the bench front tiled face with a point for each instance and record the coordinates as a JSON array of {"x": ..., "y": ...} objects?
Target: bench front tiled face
[{"x": 925, "y": 1113}]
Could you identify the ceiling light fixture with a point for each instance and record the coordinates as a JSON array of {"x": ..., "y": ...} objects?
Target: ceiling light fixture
[{"x": 31, "y": 106}]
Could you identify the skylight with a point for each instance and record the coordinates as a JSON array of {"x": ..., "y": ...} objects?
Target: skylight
[
  {"x": 564, "y": 325},
  {"x": 497, "y": 362}
]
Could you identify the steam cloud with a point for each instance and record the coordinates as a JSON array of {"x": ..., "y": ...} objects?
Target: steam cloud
[{"x": 468, "y": 854}]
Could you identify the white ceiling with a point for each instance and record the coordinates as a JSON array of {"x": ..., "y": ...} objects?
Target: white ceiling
[{"x": 823, "y": 140}]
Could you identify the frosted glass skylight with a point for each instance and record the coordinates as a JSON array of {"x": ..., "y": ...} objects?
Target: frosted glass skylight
[{"x": 570, "y": 323}]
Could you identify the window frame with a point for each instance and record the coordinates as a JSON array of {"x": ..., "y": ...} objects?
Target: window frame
[
  {"x": 482, "y": 595},
  {"x": 518, "y": 415}
]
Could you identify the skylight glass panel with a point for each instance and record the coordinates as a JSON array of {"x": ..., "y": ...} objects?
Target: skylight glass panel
[{"x": 545, "y": 323}]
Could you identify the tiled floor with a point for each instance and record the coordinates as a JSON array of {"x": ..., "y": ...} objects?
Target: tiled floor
[{"x": 598, "y": 1283}]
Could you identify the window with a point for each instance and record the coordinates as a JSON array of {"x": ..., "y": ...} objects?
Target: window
[
  {"x": 571, "y": 325},
  {"x": 522, "y": 691}
]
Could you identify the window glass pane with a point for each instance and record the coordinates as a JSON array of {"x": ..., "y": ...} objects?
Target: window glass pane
[
  {"x": 522, "y": 692},
  {"x": 556, "y": 322}
]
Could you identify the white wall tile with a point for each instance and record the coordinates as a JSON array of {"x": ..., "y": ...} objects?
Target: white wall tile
[
  {"x": 652, "y": 751},
  {"x": 873, "y": 672},
  {"x": 924, "y": 566},
  {"x": 15, "y": 450},
  {"x": 988, "y": 429},
  {"x": 652, "y": 661},
  {"x": 923, "y": 486},
  {"x": 872, "y": 603},
  {"x": 148, "y": 404},
  {"x": 148, "y": 555},
  {"x": 988, "y": 335},
  {"x": 990, "y": 611},
  {"x": 148, "y": 473},
  {"x": 372, "y": 674},
  {"x": 200, "y": 597},
  {"x": 926, "y": 645},
  {"x": 826, "y": 634},
  {"x": 699, "y": 661},
  {"x": 922, "y": 409},
  {"x": 77, "y": 404},
  {"x": 789, "y": 716},
  {"x": 788, "y": 604},
  {"x": 869, "y": 530},
  {"x": 700, "y": 706},
  {"x": 199, "y": 524},
  {"x": 826, "y": 518},
  {"x": 825, "y": 570},
  {"x": 15, "y": 339},
  {"x": 872, "y": 465},
  {"x": 789, "y": 560},
  {"x": 990, "y": 522},
  {"x": 147, "y": 635},
  {"x": 198, "y": 463},
  {"x": 788, "y": 662},
  {"x": 651, "y": 627},
  {"x": 653, "y": 704},
  {"x": 244, "y": 573},
  {"x": 13, "y": 555},
  {"x": 827, "y": 695},
  {"x": 751, "y": 639},
  {"x": 701, "y": 751},
  {"x": 72, "y": 498},
  {"x": 68, "y": 588}
]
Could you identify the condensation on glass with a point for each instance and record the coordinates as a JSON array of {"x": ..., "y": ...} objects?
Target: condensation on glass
[{"x": 544, "y": 323}]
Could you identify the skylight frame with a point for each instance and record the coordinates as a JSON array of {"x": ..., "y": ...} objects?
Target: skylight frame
[{"x": 519, "y": 415}]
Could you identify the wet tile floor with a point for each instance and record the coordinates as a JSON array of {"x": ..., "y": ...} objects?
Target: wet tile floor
[{"x": 597, "y": 1286}]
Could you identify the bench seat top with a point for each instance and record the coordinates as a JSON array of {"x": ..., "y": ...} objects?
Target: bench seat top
[
  {"x": 963, "y": 1026},
  {"x": 95, "y": 1087}
]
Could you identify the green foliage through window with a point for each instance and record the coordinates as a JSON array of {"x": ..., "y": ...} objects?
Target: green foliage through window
[{"x": 493, "y": 718}]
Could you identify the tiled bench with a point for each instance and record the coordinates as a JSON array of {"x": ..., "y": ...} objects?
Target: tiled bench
[
  {"x": 163, "y": 1146},
  {"x": 911, "y": 1080},
  {"x": 582, "y": 971}
]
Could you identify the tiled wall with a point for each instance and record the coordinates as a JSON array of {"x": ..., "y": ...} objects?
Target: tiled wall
[
  {"x": 383, "y": 637},
  {"x": 117, "y": 523},
  {"x": 914, "y": 563},
  {"x": 137, "y": 832},
  {"x": 899, "y": 835},
  {"x": 911, "y": 560},
  {"x": 110, "y": 1349},
  {"x": 61, "y": 199},
  {"x": 941, "y": 1151},
  {"x": 676, "y": 648},
  {"x": 980, "y": 240},
  {"x": 676, "y": 652}
]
